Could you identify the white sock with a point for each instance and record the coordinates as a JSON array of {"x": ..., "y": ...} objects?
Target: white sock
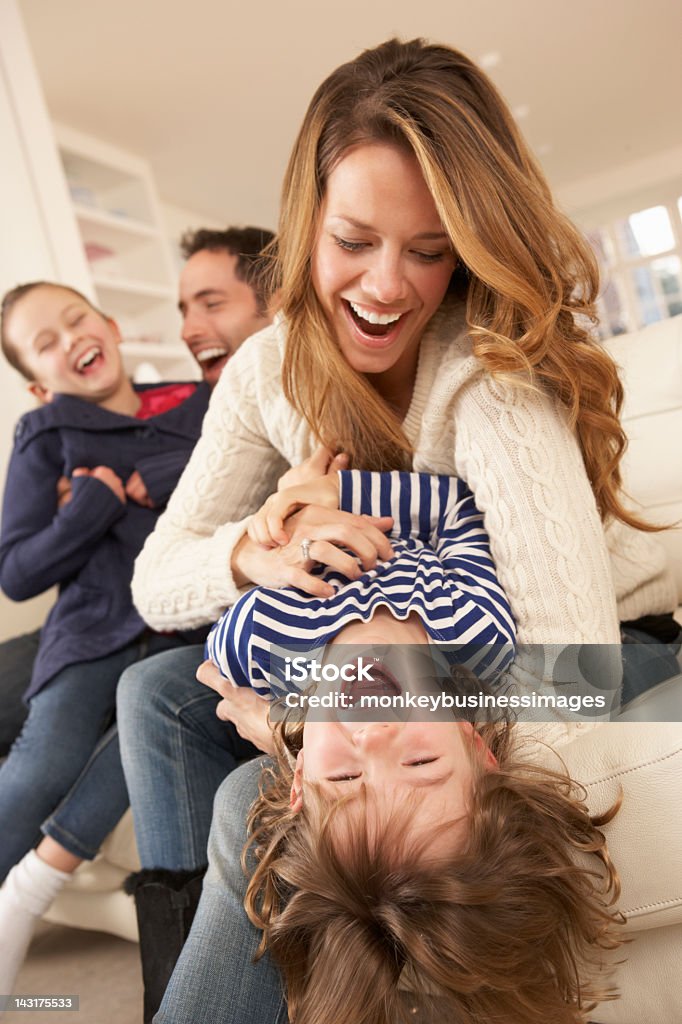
[{"x": 27, "y": 893}]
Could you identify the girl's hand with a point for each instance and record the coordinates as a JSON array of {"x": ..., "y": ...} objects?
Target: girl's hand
[
  {"x": 314, "y": 482},
  {"x": 107, "y": 477},
  {"x": 240, "y": 705},
  {"x": 267, "y": 526},
  {"x": 321, "y": 462},
  {"x": 326, "y": 530},
  {"x": 136, "y": 489},
  {"x": 64, "y": 492}
]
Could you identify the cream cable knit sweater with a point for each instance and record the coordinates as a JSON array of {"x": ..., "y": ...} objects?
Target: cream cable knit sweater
[{"x": 510, "y": 443}]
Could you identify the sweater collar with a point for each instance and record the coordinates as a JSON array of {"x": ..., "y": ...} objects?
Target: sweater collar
[{"x": 446, "y": 325}]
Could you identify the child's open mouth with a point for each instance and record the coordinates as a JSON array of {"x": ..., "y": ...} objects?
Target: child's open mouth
[
  {"x": 375, "y": 681},
  {"x": 90, "y": 360}
]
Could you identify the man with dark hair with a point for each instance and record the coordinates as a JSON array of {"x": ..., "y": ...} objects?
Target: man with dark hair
[{"x": 222, "y": 293}]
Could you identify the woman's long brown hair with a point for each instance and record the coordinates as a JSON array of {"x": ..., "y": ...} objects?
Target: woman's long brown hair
[{"x": 528, "y": 279}]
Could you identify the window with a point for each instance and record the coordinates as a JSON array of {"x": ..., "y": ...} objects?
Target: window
[{"x": 640, "y": 259}]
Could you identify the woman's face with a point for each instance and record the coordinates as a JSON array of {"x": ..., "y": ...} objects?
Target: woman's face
[{"x": 382, "y": 261}]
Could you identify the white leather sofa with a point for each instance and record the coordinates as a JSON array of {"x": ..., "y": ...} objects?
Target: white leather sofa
[
  {"x": 650, "y": 362},
  {"x": 642, "y": 760},
  {"x": 646, "y": 759},
  {"x": 95, "y": 898}
]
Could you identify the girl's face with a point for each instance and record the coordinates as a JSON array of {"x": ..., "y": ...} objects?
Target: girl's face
[
  {"x": 382, "y": 262},
  {"x": 66, "y": 345},
  {"x": 427, "y": 763}
]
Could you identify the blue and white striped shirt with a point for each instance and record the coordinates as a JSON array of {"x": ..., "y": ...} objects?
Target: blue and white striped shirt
[{"x": 442, "y": 571}]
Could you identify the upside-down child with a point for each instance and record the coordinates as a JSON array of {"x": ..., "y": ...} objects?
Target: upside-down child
[
  {"x": 407, "y": 866},
  {"x": 91, "y": 469}
]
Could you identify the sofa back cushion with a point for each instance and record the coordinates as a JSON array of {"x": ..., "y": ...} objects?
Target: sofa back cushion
[{"x": 650, "y": 362}]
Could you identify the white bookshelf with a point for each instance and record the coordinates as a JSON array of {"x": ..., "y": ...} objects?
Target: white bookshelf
[{"x": 129, "y": 256}]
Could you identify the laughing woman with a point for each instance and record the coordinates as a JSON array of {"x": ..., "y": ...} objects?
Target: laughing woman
[{"x": 434, "y": 308}]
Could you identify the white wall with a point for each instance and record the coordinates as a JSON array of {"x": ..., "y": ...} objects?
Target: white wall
[
  {"x": 599, "y": 198},
  {"x": 36, "y": 210},
  {"x": 177, "y": 220}
]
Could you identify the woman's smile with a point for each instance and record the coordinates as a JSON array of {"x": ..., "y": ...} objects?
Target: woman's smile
[{"x": 372, "y": 328}]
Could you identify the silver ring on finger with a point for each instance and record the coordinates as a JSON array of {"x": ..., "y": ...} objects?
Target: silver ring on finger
[{"x": 305, "y": 549}]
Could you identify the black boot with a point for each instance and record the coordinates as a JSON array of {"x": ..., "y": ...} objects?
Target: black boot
[{"x": 166, "y": 902}]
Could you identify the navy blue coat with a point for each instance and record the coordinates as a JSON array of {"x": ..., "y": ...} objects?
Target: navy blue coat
[{"x": 88, "y": 547}]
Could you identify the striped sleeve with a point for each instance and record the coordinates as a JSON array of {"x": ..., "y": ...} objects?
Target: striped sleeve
[
  {"x": 439, "y": 513},
  {"x": 461, "y": 543}
]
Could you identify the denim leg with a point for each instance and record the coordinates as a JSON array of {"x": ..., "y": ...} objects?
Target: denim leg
[
  {"x": 216, "y": 979},
  {"x": 175, "y": 754},
  {"x": 65, "y": 722},
  {"x": 16, "y": 665},
  {"x": 647, "y": 661},
  {"x": 95, "y": 803},
  {"x": 83, "y": 820}
]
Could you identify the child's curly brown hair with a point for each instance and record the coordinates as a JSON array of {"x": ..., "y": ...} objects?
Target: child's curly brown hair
[{"x": 512, "y": 928}]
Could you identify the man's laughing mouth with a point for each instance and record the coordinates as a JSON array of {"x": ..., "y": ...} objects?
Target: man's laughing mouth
[{"x": 211, "y": 355}]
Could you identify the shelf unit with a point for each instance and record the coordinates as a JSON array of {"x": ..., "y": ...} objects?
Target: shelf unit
[{"x": 129, "y": 256}]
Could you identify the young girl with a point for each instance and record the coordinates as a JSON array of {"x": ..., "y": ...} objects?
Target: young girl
[
  {"x": 113, "y": 452},
  {"x": 401, "y": 895},
  {"x": 414, "y": 870}
]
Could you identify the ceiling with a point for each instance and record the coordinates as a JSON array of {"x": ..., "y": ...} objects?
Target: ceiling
[{"x": 212, "y": 91}]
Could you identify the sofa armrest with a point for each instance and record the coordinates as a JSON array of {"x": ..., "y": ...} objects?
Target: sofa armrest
[{"x": 643, "y": 760}]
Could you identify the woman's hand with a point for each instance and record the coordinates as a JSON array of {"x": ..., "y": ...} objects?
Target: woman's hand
[
  {"x": 240, "y": 705},
  {"x": 326, "y": 530},
  {"x": 314, "y": 482}
]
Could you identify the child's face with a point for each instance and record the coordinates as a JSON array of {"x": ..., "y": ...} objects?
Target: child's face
[
  {"x": 66, "y": 346},
  {"x": 429, "y": 762}
]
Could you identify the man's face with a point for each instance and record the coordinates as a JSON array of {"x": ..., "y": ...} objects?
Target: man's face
[{"x": 218, "y": 310}]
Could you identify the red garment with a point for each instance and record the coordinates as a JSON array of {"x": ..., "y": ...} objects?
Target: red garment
[{"x": 154, "y": 401}]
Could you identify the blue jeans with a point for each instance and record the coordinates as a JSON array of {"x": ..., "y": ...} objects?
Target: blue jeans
[
  {"x": 647, "y": 661},
  {"x": 175, "y": 755},
  {"x": 63, "y": 774},
  {"x": 215, "y": 978}
]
